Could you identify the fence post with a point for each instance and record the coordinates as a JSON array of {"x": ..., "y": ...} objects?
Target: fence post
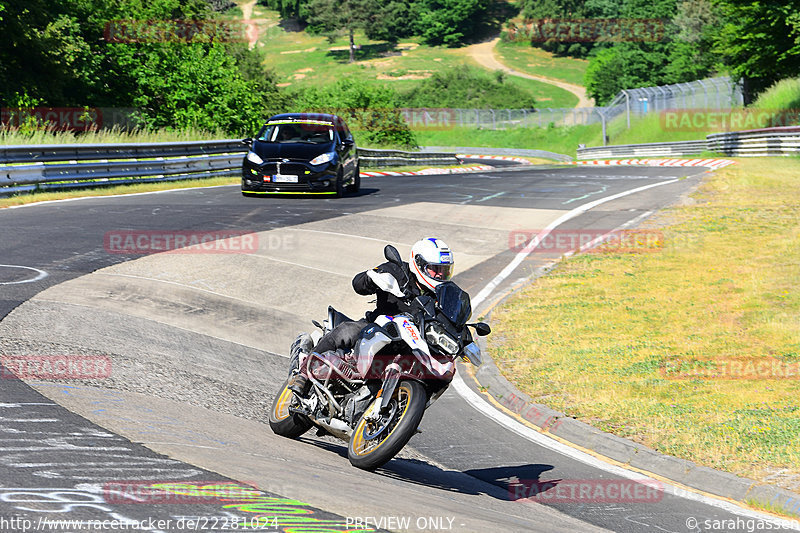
[
  {"x": 628, "y": 107},
  {"x": 705, "y": 93}
]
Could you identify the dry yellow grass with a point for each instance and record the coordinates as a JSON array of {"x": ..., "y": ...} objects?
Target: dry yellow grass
[{"x": 592, "y": 338}]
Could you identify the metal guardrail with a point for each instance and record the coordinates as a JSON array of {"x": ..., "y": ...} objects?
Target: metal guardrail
[
  {"x": 670, "y": 149},
  {"x": 396, "y": 158},
  {"x": 24, "y": 168},
  {"x": 780, "y": 141},
  {"x": 81, "y": 152},
  {"x": 519, "y": 152}
]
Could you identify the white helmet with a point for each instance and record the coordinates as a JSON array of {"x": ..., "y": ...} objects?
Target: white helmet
[{"x": 431, "y": 262}]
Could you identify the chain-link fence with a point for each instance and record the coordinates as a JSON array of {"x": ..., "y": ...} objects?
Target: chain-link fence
[{"x": 711, "y": 93}]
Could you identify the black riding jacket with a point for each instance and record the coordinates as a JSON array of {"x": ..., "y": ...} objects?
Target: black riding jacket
[{"x": 387, "y": 303}]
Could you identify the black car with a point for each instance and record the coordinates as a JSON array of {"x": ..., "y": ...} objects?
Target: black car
[{"x": 301, "y": 153}]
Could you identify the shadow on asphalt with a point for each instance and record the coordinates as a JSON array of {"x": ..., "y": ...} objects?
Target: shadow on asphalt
[{"x": 498, "y": 482}]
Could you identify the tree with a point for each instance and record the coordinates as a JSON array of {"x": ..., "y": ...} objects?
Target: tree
[
  {"x": 57, "y": 53},
  {"x": 760, "y": 41},
  {"x": 332, "y": 16},
  {"x": 447, "y": 21},
  {"x": 370, "y": 110}
]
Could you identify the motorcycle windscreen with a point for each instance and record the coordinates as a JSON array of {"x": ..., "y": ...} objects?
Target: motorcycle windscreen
[{"x": 454, "y": 303}]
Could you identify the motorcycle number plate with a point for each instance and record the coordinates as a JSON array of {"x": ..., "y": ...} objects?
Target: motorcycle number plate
[{"x": 284, "y": 178}]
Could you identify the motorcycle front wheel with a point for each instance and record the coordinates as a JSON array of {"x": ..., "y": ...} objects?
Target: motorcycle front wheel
[
  {"x": 374, "y": 443},
  {"x": 282, "y": 421}
]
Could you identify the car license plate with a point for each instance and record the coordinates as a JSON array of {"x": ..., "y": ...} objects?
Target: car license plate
[{"x": 284, "y": 178}]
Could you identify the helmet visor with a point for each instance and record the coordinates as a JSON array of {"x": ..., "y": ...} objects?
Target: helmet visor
[{"x": 439, "y": 272}]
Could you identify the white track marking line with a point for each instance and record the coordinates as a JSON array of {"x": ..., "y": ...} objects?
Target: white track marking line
[
  {"x": 342, "y": 234},
  {"x": 47, "y": 202},
  {"x": 532, "y": 435},
  {"x": 41, "y": 274},
  {"x": 477, "y": 402},
  {"x": 204, "y": 333},
  {"x": 268, "y": 258},
  {"x": 525, "y": 252}
]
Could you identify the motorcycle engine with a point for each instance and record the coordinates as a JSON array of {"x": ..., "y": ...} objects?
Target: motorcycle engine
[
  {"x": 356, "y": 403},
  {"x": 322, "y": 371}
]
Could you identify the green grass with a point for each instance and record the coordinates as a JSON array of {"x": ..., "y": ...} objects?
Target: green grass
[
  {"x": 649, "y": 129},
  {"x": 300, "y": 59},
  {"x": 537, "y": 62},
  {"x": 546, "y": 95},
  {"x": 562, "y": 140},
  {"x": 591, "y": 338},
  {"x": 558, "y": 140},
  {"x": 785, "y": 94},
  {"x": 12, "y": 137}
]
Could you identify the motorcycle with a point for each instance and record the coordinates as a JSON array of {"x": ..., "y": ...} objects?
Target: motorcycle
[{"x": 374, "y": 395}]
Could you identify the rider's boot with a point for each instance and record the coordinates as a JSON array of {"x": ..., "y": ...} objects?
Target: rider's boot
[{"x": 298, "y": 384}]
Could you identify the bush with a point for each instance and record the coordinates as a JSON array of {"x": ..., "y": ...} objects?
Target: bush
[
  {"x": 371, "y": 111},
  {"x": 468, "y": 87}
]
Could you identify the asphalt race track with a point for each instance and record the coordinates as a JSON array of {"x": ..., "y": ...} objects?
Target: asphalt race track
[{"x": 195, "y": 344}]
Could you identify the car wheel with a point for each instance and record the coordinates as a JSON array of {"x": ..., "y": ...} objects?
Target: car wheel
[
  {"x": 340, "y": 183},
  {"x": 356, "y": 185}
]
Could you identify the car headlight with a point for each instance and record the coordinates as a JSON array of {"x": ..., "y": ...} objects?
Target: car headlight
[
  {"x": 324, "y": 158},
  {"x": 254, "y": 158}
]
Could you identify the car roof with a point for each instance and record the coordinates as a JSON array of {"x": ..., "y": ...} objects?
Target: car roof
[{"x": 326, "y": 117}]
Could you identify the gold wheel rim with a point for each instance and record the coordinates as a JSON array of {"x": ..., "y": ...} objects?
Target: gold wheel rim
[
  {"x": 363, "y": 447},
  {"x": 281, "y": 409}
]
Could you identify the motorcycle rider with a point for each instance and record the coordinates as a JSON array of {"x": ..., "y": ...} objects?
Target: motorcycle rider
[{"x": 430, "y": 263}]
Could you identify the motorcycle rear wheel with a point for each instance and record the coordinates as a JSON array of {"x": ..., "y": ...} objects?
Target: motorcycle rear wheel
[
  {"x": 406, "y": 407},
  {"x": 282, "y": 421}
]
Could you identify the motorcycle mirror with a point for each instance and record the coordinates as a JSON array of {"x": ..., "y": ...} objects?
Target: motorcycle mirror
[
  {"x": 318, "y": 325},
  {"x": 482, "y": 328},
  {"x": 392, "y": 255}
]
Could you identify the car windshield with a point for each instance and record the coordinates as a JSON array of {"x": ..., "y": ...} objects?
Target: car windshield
[{"x": 297, "y": 132}]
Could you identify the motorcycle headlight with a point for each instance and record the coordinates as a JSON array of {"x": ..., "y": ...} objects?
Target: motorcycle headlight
[
  {"x": 254, "y": 158},
  {"x": 324, "y": 158},
  {"x": 437, "y": 336}
]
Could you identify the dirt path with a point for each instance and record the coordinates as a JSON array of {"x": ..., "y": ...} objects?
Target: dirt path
[
  {"x": 483, "y": 54},
  {"x": 252, "y": 28}
]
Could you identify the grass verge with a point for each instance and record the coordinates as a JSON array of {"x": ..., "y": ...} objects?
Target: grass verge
[
  {"x": 597, "y": 337},
  {"x": 559, "y": 140}
]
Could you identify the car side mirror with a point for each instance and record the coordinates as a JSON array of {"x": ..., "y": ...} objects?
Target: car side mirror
[
  {"x": 392, "y": 255},
  {"x": 348, "y": 142},
  {"x": 247, "y": 142}
]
